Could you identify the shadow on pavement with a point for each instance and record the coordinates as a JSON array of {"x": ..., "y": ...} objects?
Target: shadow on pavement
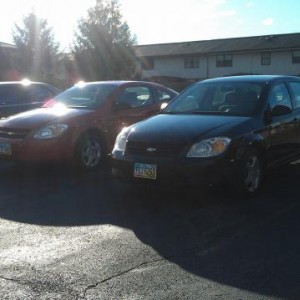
[{"x": 251, "y": 245}]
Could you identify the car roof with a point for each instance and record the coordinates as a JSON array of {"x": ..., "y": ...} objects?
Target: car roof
[
  {"x": 23, "y": 83},
  {"x": 114, "y": 82},
  {"x": 118, "y": 82},
  {"x": 252, "y": 78}
]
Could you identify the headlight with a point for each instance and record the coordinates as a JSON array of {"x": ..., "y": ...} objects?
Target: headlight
[
  {"x": 51, "y": 131},
  {"x": 120, "y": 143},
  {"x": 209, "y": 148}
]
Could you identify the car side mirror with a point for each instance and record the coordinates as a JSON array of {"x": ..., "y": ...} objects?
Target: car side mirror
[{"x": 280, "y": 110}]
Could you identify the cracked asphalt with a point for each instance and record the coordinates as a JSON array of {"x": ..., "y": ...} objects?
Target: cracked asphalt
[{"x": 69, "y": 235}]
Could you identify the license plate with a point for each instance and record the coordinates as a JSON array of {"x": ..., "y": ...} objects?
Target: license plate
[
  {"x": 145, "y": 171},
  {"x": 5, "y": 149}
]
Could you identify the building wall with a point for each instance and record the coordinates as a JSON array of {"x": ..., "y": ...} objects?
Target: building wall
[
  {"x": 281, "y": 63},
  {"x": 250, "y": 63},
  {"x": 174, "y": 67},
  {"x": 241, "y": 63}
]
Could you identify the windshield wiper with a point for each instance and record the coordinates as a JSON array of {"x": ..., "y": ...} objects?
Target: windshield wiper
[
  {"x": 169, "y": 112},
  {"x": 77, "y": 106},
  {"x": 208, "y": 112}
]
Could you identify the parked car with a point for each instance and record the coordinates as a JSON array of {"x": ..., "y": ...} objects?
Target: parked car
[
  {"x": 19, "y": 96},
  {"x": 81, "y": 123},
  {"x": 223, "y": 130}
]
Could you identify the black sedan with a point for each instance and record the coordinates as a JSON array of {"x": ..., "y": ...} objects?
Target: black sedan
[
  {"x": 223, "y": 130},
  {"x": 19, "y": 96}
]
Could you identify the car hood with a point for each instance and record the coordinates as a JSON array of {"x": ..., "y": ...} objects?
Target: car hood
[
  {"x": 38, "y": 117},
  {"x": 183, "y": 129}
]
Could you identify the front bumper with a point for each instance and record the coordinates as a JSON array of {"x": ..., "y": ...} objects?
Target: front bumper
[
  {"x": 27, "y": 150},
  {"x": 186, "y": 171}
]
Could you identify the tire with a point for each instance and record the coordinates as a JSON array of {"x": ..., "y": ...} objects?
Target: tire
[
  {"x": 89, "y": 152},
  {"x": 250, "y": 174}
]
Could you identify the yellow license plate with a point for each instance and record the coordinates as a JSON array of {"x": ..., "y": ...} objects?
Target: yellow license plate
[{"x": 148, "y": 171}]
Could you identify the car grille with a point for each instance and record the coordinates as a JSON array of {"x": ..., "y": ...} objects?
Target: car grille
[
  {"x": 13, "y": 133},
  {"x": 154, "y": 150}
]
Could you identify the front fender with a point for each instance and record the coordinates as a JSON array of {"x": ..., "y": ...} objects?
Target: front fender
[{"x": 252, "y": 140}]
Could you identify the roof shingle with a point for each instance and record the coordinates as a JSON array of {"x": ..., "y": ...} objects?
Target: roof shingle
[{"x": 254, "y": 43}]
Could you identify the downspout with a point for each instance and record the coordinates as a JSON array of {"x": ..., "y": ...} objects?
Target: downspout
[{"x": 207, "y": 66}]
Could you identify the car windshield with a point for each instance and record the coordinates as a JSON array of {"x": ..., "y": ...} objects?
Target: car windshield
[
  {"x": 85, "y": 96},
  {"x": 232, "y": 98}
]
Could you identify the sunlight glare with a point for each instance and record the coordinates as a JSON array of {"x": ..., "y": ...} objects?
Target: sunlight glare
[
  {"x": 60, "y": 109},
  {"x": 26, "y": 82},
  {"x": 80, "y": 84},
  {"x": 206, "y": 13},
  {"x": 62, "y": 16}
]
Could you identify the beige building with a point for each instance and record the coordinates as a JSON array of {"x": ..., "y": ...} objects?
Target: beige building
[
  {"x": 182, "y": 63},
  {"x": 7, "y": 71}
]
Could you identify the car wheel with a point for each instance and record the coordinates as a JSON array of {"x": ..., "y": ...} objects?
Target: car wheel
[
  {"x": 89, "y": 153},
  {"x": 250, "y": 173}
]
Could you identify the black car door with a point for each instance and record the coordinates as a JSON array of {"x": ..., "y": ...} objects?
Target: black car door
[{"x": 282, "y": 127}]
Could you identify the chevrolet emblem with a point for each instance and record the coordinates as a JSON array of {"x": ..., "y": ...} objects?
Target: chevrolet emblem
[{"x": 151, "y": 149}]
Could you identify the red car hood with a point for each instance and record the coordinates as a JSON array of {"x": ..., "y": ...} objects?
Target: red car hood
[{"x": 38, "y": 117}]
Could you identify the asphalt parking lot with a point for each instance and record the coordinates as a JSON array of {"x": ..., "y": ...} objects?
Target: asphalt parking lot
[{"x": 66, "y": 235}]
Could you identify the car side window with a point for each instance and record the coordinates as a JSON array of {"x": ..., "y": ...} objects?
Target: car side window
[
  {"x": 136, "y": 96},
  {"x": 295, "y": 89},
  {"x": 279, "y": 95},
  {"x": 10, "y": 94},
  {"x": 38, "y": 94}
]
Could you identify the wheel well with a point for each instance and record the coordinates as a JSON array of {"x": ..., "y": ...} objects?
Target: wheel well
[{"x": 257, "y": 146}]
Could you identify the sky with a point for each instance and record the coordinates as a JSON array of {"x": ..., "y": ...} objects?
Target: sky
[{"x": 164, "y": 21}]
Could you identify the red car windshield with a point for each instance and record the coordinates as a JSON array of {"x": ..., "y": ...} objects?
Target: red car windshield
[{"x": 86, "y": 96}]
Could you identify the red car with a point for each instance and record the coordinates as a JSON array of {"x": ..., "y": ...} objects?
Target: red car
[{"x": 81, "y": 123}]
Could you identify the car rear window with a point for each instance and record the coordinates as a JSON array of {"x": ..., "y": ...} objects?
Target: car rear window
[
  {"x": 19, "y": 94},
  {"x": 11, "y": 94}
]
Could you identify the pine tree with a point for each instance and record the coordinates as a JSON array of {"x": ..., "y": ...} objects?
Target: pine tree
[
  {"x": 103, "y": 44},
  {"x": 37, "y": 52}
]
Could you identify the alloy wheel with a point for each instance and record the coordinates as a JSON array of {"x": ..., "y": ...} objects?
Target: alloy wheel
[{"x": 91, "y": 153}]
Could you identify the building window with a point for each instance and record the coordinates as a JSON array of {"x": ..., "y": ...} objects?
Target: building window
[
  {"x": 296, "y": 57},
  {"x": 191, "y": 62},
  {"x": 266, "y": 58},
  {"x": 224, "y": 60},
  {"x": 147, "y": 63}
]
